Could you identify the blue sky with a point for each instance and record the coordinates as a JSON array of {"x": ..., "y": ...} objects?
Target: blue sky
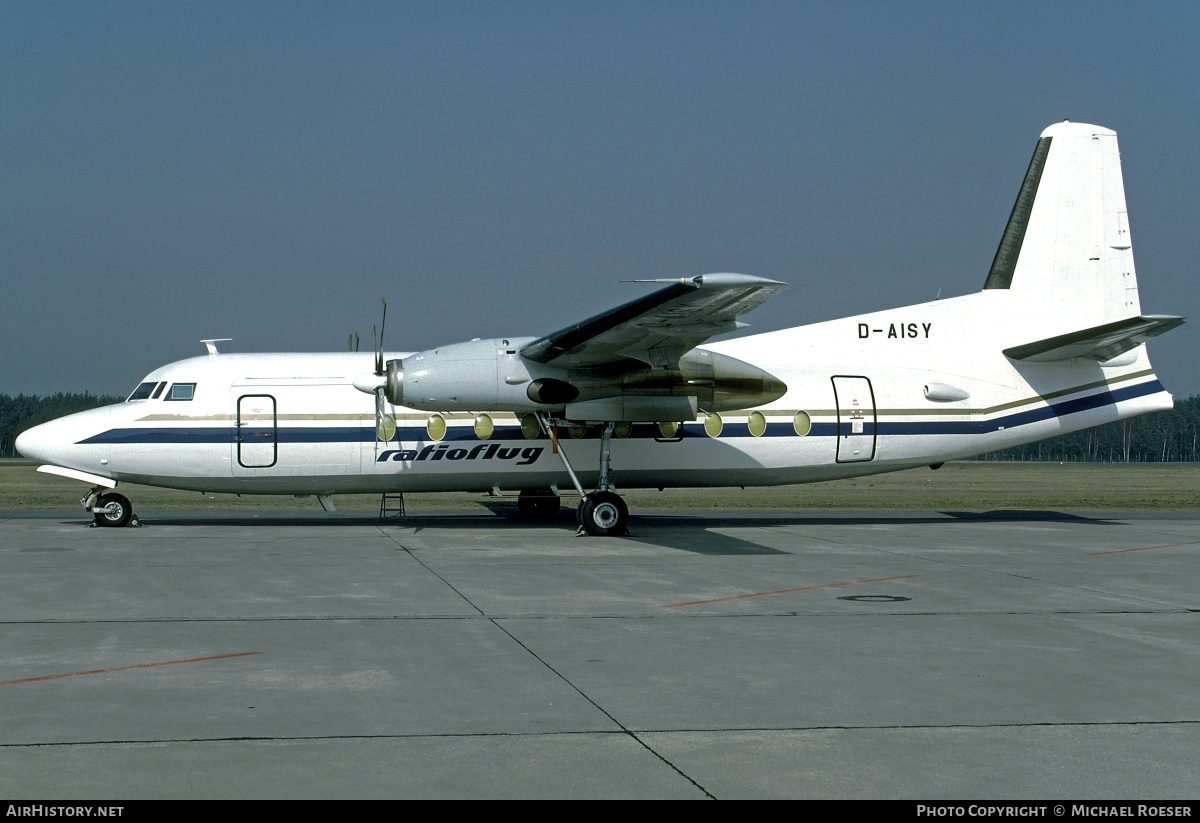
[{"x": 266, "y": 171}]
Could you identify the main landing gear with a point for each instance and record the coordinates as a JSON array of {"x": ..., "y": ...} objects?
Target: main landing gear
[
  {"x": 109, "y": 509},
  {"x": 603, "y": 512}
]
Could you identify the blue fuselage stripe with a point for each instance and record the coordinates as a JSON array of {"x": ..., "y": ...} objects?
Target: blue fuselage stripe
[{"x": 366, "y": 434}]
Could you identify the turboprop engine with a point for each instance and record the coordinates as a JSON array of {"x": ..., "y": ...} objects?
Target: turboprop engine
[{"x": 491, "y": 375}]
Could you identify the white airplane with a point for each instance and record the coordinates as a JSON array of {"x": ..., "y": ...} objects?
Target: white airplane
[{"x": 1052, "y": 344}]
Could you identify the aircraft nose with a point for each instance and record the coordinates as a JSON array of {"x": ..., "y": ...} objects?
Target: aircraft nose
[
  {"x": 34, "y": 443},
  {"x": 54, "y": 442}
]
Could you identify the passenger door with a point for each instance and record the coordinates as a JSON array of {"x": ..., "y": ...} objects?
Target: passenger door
[
  {"x": 856, "y": 418},
  {"x": 257, "y": 432}
]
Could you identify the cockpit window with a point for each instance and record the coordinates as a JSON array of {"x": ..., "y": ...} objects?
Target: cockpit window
[
  {"x": 158, "y": 391},
  {"x": 181, "y": 391},
  {"x": 142, "y": 392}
]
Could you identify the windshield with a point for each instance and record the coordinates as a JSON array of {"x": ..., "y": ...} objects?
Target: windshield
[{"x": 142, "y": 392}]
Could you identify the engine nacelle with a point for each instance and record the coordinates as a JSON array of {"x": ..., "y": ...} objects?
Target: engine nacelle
[
  {"x": 491, "y": 375},
  {"x": 479, "y": 375},
  {"x": 717, "y": 381}
]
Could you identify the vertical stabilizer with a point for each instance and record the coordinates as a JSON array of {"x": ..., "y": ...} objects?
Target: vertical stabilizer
[{"x": 1066, "y": 252}]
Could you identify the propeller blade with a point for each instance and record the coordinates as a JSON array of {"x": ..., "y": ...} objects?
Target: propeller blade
[
  {"x": 379, "y": 349},
  {"x": 385, "y": 424},
  {"x": 378, "y": 419}
]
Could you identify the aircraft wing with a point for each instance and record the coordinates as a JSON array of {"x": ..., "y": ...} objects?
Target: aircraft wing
[{"x": 659, "y": 328}]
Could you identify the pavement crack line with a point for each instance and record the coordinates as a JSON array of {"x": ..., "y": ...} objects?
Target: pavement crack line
[
  {"x": 625, "y": 729},
  {"x": 427, "y": 568},
  {"x": 632, "y": 735}
]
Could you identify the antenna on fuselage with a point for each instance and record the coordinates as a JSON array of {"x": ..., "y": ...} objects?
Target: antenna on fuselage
[{"x": 211, "y": 344}]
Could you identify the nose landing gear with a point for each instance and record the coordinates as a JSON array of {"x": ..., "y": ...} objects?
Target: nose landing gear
[{"x": 110, "y": 509}]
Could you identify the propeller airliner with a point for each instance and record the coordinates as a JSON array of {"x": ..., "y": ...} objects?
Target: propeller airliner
[{"x": 638, "y": 396}]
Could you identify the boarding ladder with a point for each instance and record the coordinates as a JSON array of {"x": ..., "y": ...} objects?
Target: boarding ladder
[{"x": 391, "y": 505}]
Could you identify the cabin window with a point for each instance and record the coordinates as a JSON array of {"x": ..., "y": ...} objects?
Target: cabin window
[
  {"x": 158, "y": 390},
  {"x": 757, "y": 423},
  {"x": 484, "y": 426},
  {"x": 713, "y": 424},
  {"x": 181, "y": 391},
  {"x": 435, "y": 427},
  {"x": 142, "y": 392},
  {"x": 802, "y": 423},
  {"x": 623, "y": 429},
  {"x": 385, "y": 429},
  {"x": 530, "y": 429}
]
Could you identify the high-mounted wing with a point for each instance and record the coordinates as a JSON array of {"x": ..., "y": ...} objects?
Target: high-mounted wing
[
  {"x": 637, "y": 362},
  {"x": 659, "y": 328}
]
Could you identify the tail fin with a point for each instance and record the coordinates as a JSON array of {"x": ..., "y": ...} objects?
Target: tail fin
[
  {"x": 1066, "y": 254},
  {"x": 1067, "y": 249}
]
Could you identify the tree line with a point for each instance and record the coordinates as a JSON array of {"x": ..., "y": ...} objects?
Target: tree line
[{"x": 1159, "y": 437}]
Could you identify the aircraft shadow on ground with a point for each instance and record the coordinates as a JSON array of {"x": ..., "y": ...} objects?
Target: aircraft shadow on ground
[
  {"x": 679, "y": 531},
  {"x": 672, "y": 530},
  {"x": 1030, "y": 516}
]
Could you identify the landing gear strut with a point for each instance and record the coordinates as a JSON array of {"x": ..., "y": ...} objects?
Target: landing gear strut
[{"x": 603, "y": 512}]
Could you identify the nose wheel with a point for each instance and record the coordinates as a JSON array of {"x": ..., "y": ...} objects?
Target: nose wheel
[{"x": 112, "y": 510}]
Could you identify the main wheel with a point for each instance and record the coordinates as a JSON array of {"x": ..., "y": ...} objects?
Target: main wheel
[
  {"x": 538, "y": 504},
  {"x": 112, "y": 510},
  {"x": 603, "y": 514}
]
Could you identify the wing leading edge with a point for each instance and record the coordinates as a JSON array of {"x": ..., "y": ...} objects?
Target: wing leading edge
[{"x": 659, "y": 328}]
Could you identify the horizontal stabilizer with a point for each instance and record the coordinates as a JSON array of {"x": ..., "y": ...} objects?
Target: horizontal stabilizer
[{"x": 1097, "y": 343}]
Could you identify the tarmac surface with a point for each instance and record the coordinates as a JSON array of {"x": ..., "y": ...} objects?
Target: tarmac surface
[{"x": 810, "y": 654}]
